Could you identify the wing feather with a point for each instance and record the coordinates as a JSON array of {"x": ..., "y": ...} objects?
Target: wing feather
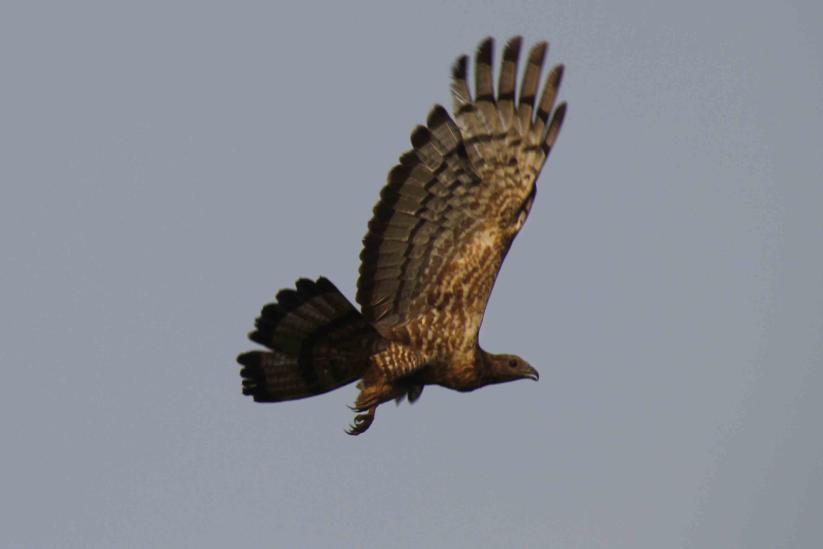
[
  {"x": 508, "y": 82},
  {"x": 465, "y": 177}
]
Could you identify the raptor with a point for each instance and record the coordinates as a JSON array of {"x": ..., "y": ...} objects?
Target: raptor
[{"x": 444, "y": 222}]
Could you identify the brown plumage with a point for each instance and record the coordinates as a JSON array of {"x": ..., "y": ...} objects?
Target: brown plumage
[{"x": 440, "y": 231}]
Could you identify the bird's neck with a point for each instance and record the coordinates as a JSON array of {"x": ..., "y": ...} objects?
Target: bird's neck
[{"x": 463, "y": 373}]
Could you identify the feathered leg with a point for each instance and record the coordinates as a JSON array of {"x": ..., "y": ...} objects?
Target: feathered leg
[{"x": 375, "y": 389}]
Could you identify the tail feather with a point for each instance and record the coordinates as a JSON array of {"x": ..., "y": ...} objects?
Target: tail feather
[{"x": 318, "y": 342}]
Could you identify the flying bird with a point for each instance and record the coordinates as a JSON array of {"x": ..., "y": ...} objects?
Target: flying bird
[{"x": 443, "y": 224}]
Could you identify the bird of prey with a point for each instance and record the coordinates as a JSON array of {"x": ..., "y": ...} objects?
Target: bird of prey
[{"x": 443, "y": 224}]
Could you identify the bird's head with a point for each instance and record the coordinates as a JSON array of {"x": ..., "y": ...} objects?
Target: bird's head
[{"x": 502, "y": 368}]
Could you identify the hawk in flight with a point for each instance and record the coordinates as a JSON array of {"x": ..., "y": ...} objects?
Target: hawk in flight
[{"x": 444, "y": 222}]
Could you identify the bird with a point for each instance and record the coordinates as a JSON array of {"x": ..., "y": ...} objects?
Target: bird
[{"x": 440, "y": 231}]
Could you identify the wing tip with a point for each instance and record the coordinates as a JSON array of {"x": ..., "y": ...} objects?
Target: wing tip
[
  {"x": 554, "y": 127},
  {"x": 420, "y": 137},
  {"x": 438, "y": 115},
  {"x": 537, "y": 54},
  {"x": 511, "y": 52},
  {"x": 460, "y": 67},
  {"x": 485, "y": 51}
]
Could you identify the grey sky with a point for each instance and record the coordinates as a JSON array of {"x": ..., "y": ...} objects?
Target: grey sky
[{"x": 166, "y": 167}]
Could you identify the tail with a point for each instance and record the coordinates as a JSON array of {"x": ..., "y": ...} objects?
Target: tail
[{"x": 318, "y": 342}]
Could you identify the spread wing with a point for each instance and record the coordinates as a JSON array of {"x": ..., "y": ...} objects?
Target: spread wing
[{"x": 466, "y": 182}]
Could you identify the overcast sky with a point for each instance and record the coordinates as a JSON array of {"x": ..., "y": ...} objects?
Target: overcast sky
[{"x": 166, "y": 167}]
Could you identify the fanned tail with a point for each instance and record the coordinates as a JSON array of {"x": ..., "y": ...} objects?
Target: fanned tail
[{"x": 318, "y": 342}]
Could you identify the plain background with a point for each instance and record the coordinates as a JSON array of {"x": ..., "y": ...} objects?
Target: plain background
[{"x": 168, "y": 166}]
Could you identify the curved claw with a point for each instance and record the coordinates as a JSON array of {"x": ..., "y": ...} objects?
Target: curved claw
[{"x": 361, "y": 422}]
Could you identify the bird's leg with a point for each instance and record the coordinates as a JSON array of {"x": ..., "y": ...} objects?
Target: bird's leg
[
  {"x": 362, "y": 421},
  {"x": 374, "y": 390}
]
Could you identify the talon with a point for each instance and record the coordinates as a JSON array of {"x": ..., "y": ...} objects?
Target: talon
[{"x": 361, "y": 422}]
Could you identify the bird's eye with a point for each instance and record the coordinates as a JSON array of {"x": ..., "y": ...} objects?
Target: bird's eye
[{"x": 512, "y": 363}]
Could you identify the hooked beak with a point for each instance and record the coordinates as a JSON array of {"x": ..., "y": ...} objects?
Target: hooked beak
[{"x": 533, "y": 374}]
